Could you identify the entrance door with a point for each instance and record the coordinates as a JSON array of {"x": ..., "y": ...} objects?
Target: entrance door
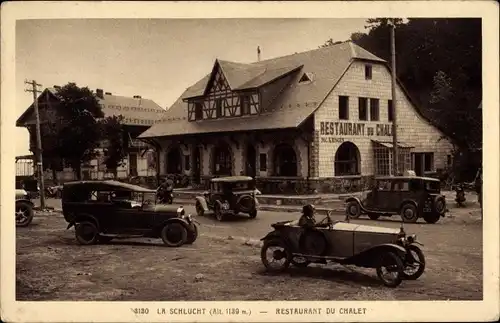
[
  {"x": 419, "y": 167},
  {"x": 250, "y": 161},
  {"x": 196, "y": 165}
]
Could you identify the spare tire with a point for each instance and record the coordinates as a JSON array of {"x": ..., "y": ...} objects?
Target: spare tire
[
  {"x": 313, "y": 242},
  {"x": 439, "y": 204},
  {"x": 246, "y": 203}
]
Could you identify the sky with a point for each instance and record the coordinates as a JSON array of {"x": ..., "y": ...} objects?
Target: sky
[{"x": 155, "y": 58}]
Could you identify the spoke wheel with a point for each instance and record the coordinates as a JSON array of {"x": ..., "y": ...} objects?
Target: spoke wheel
[
  {"x": 414, "y": 264},
  {"x": 390, "y": 269},
  {"x": 275, "y": 256},
  {"x": 24, "y": 214},
  {"x": 174, "y": 234}
]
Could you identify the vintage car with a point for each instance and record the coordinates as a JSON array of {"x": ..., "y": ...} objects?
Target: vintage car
[
  {"x": 229, "y": 196},
  {"x": 104, "y": 210},
  {"x": 393, "y": 254},
  {"x": 412, "y": 197},
  {"x": 24, "y": 208}
]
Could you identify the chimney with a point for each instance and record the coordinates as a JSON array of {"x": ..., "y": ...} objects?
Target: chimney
[
  {"x": 137, "y": 96},
  {"x": 99, "y": 93},
  {"x": 258, "y": 53}
]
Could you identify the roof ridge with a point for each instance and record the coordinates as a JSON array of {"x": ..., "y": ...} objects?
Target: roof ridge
[{"x": 299, "y": 53}]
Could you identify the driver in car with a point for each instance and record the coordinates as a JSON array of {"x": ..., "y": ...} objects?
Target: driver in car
[{"x": 308, "y": 219}]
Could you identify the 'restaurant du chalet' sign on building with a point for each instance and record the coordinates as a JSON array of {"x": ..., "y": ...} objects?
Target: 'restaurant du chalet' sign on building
[{"x": 312, "y": 116}]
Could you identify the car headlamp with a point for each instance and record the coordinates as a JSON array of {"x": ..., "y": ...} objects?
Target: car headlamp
[
  {"x": 180, "y": 211},
  {"x": 412, "y": 238}
]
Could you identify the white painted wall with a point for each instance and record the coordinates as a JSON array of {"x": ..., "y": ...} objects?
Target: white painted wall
[{"x": 412, "y": 128}]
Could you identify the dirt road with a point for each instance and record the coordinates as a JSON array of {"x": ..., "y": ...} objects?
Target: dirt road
[{"x": 51, "y": 266}]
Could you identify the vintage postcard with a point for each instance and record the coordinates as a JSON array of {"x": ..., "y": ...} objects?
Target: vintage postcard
[{"x": 330, "y": 161}]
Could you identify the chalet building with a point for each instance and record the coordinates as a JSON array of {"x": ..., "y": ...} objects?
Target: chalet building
[
  {"x": 138, "y": 113},
  {"x": 314, "y": 121}
]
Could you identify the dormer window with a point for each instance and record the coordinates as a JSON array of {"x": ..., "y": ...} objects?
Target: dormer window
[
  {"x": 368, "y": 72},
  {"x": 306, "y": 77}
]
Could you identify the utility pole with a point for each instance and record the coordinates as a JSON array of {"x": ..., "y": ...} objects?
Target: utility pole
[
  {"x": 395, "y": 154},
  {"x": 38, "y": 149}
]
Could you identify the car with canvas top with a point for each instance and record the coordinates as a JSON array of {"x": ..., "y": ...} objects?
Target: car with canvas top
[{"x": 394, "y": 254}]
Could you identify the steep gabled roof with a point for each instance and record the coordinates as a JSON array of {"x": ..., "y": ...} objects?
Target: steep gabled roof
[
  {"x": 136, "y": 111},
  {"x": 292, "y": 106}
]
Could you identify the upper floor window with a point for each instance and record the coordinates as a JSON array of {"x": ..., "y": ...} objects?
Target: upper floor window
[
  {"x": 198, "y": 111},
  {"x": 343, "y": 107},
  {"x": 245, "y": 105},
  {"x": 368, "y": 72},
  {"x": 390, "y": 110},
  {"x": 218, "y": 108},
  {"x": 363, "y": 109},
  {"x": 374, "y": 110}
]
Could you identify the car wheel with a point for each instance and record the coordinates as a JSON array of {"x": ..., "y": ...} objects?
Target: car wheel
[
  {"x": 24, "y": 214},
  {"x": 104, "y": 239},
  {"x": 416, "y": 268},
  {"x": 218, "y": 212},
  {"x": 353, "y": 210},
  {"x": 300, "y": 262},
  {"x": 86, "y": 233},
  {"x": 200, "y": 211},
  {"x": 390, "y": 269},
  {"x": 174, "y": 234},
  {"x": 409, "y": 213},
  {"x": 275, "y": 256},
  {"x": 193, "y": 234},
  {"x": 253, "y": 214},
  {"x": 373, "y": 216},
  {"x": 432, "y": 218}
]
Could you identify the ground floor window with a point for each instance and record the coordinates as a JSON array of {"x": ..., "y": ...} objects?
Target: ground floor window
[
  {"x": 285, "y": 161},
  {"x": 221, "y": 160},
  {"x": 383, "y": 154},
  {"x": 174, "y": 161},
  {"x": 347, "y": 159}
]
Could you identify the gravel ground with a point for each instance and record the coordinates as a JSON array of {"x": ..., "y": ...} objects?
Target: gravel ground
[{"x": 51, "y": 266}]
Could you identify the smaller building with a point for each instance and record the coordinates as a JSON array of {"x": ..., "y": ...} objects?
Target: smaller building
[{"x": 138, "y": 113}]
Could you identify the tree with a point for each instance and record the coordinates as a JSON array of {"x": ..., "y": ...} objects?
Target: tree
[
  {"x": 76, "y": 126},
  {"x": 115, "y": 152},
  {"x": 442, "y": 90}
]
